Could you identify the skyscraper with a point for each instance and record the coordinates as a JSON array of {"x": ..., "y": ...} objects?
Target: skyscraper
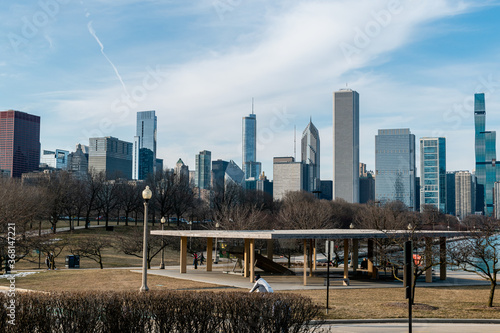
[
  {"x": 251, "y": 167},
  {"x": 144, "y": 156},
  {"x": 310, "y": 158},
  {"x": 464, "y": 194},
  {"x": 450, "y": 192},
  {"x": 433, "y": 173},
  {"x": 395, "y": 166},
  {"x": 112, "y": 156},
  {"x": 485, "y": 149},
  {"x": 346, "y": 145},
  {"x": 203, "y": 175},
  {"x": 19, "y": 142}
]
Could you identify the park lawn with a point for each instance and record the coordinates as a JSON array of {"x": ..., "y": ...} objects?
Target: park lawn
[
  {"x": 102, "y": 280},
  {"x": 432, "y": 302},
  {"x": 112, "y": 257}
]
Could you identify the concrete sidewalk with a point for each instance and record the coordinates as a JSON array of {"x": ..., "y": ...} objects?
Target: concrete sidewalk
[{"x": 219, "y": 276}]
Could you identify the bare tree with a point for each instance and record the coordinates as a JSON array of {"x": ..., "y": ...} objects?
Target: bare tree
[
  {"x": 131, "y": 244},
  {"x": 92, "y": 186},
  {"x": 108, "y": 198},
  {"x": 300, "y": 210},
  {"x": 129, "y": 197},
  {"x": 92, "y": 247},
  {"x": 480, "y": 252}
]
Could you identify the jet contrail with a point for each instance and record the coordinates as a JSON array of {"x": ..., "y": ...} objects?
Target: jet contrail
[{"x": 92, "y": 32}]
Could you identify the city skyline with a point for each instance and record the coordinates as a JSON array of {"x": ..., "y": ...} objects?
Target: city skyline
[{"x": 74, "y": 69}]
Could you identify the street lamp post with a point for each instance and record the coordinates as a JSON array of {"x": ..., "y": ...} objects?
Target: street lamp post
[
  {"x": 146, "y": 195},
  {"x": 162, "y": 264}
]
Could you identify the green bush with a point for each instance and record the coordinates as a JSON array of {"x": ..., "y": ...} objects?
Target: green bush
[{"x": 160, "y": 311}]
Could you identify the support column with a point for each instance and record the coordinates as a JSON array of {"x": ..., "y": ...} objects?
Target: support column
[
  {"x": 354, "y": 259},
  {"x": 246, "y": 259},
  {"x": 310, "y": 257},
  {"x": 442, "y": 258},
  {"x": 314, "y": 255},
  {"x": 305, "y": 262},
  {"x": 346, "y": 258},
  {"x": 183, "y": 259},
  {"x": 428, "y": 259},
  {"x": 270, "y": 249},
  {"x": 210, "y": 245},
  {"x": 370, "y": 258},
  {"x": 252, "y": 260}
]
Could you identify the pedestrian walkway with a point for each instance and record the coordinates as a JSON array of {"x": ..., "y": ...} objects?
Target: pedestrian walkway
[
  {"x": 416, "y": 328},
  {"x": 220, "y": 276}
]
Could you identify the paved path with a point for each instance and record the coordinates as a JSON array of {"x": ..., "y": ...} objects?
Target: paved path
[
  {"x": 278, "y": 282},
  {"x": 416, "y": 327}
]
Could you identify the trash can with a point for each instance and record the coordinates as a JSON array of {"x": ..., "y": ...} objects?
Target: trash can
[{"x": 72, "y": 261}]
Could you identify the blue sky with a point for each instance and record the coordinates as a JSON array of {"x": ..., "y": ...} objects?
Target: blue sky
[{"x": 416, "y": 64}]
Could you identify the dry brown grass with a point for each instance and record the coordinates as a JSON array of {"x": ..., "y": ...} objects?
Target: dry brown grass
[
  {"x": 103, "y": 280},
  {"x": 451, "y": 302}
]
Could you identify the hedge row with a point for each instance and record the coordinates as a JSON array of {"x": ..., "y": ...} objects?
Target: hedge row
[{"x": 159, "y": 311}]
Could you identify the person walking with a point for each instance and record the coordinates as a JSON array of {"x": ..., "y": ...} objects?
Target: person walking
[
  {"x": 47, "y": 261},
  {"x": 261, "y": 285},
  {"x": 195, "y": 260},
  {"x": 202, "y": 258}
]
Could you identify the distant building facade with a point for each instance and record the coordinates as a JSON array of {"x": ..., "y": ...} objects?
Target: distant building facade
[
  {"x": 19, "y": 142},
  {"x": 57, "y": 159},
  {"x": 112, "y": 156},
  {"x": 288, "y": 176},
  {"x": 78, "y": 161},
  {"x": 464, "y": 194},
  {"x": 395, "y": 166},
  {"x": 433, "y": 173},
  {"x": 203, "y": 174},
  {"x": 346, "y": 145},
  {"x": 450, "y": 193}
]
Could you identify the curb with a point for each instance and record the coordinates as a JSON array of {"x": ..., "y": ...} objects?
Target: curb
[{"x": 405, "y": 320}]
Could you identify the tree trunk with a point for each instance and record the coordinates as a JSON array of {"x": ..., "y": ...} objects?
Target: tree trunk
[{"x": 492, "y": 293}]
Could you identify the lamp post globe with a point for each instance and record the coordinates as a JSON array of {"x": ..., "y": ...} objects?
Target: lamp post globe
[
  {"x": 162, "y": 264},
  {"x": 146, "y": 195}
]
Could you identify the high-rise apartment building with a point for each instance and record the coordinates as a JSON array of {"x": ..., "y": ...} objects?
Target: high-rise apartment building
[
  {"x": 203, "y": 174},
  {"x": 288, "y": 176},
  {"x": 346, "y": 145},
  {"x": 395, "y": 166},
  {"x": 464, "y": 194},
  {"x": 251, "y": 167},
  {"x": 485, "y": 150},
  {"x": 19, "y": 142},
  {"x": 181, "y": 172},
  {"x": 112, "y": 156},
  {"x": 433, "y": 173},
  {"x": 144, "y": 147},
  {"x": 78, "y": 161},
  {"x": 450, "y": 192},
  {"x": 310, "y": 158}
]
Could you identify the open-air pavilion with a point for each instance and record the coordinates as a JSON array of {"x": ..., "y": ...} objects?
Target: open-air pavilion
[{"x": 308, "y": 237}]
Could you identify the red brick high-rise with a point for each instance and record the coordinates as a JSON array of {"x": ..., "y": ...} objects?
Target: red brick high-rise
[{"x": 19, "y": 142}]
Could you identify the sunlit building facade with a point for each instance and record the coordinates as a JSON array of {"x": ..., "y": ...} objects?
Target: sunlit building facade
[{"x": 433, "y": 173}]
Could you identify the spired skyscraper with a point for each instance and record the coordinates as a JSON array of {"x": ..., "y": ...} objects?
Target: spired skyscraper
[
  {"x": 251, "y": 167},
  {"x": 346, "y": 145},
  {"x": 433, "y": 173},
  {"x": 485, "y": 147},
  {"x": 395, "y": 166},
  {"x": 310, "y": 158},
  {"x": 144, "y": 150}
]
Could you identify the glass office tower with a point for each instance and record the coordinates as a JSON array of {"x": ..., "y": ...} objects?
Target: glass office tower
[
  {"x": 251, "y": 167},
  {"x": 19, "y": 142},
  {"x": 144, "y": 161},
  {"x": 485, "y": 148},
  {"x": 433, "y": 173},
  {"x": 395, "y": 166},
  {"x": 203, "y": 172}
]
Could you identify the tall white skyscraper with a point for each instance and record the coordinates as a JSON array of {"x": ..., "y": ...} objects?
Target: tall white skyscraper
[
  {"x": 433, "y": 173},
  {"x": 310, "y": 157},
  {"x": 346, "y": 145}
]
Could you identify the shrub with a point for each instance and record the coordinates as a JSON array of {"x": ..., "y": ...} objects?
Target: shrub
[{"x": 160, "y": 311}]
